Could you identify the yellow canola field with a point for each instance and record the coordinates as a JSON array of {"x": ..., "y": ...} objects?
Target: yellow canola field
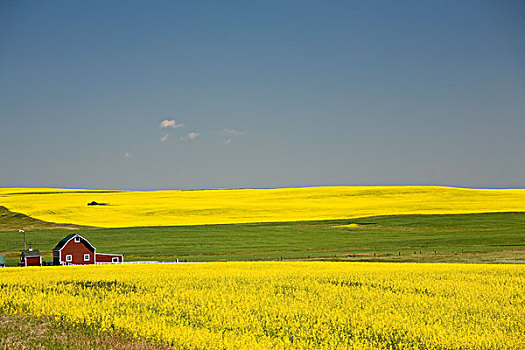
[
  {"x": 283, "y": 305},
  {"x": 166, "y": 208}
]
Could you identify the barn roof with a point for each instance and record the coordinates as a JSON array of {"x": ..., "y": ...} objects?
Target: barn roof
[
  {"x": 69, "y": 237},
  {"x": 35, "y": 253},
  {"x": 63, "y": 242}
]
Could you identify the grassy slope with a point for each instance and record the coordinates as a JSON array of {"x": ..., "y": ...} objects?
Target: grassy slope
[
  {"x": 29, "y": 332},
  {"x": 15, "y": 221},
  {"x": 471, "y": 237}
]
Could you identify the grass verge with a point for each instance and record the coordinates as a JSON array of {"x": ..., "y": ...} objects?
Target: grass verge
[{"x": 30, "y": 332}]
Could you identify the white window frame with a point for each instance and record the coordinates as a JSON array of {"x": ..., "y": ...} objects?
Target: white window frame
[
  {"x": 86, "y": 257},
  {"x": 114, "y": 259},
  {"x": 77, "y": 239},
  {"x": 69, "y": 258}
]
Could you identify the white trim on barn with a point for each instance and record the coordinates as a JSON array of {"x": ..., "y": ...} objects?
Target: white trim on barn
[
  {"x": 79, "y": 239},
  {"x": 25, "y": 257},
  {"x": 25, "y": 260},
  {"x": 75, "y": 237},
  {"x": 112, "y": 255}
]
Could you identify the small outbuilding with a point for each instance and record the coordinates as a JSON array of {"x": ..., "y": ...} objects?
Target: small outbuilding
[
  {"x": 76, "y": 250},
  {"x": 30, "y": 257}
]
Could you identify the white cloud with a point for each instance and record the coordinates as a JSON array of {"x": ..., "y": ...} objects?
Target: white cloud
[
  {"x": 190, "y": 136},
  {"x": 128, "y": 155},
  {"x": 164, "y": 137},
  {"x": 193, "y": 135},
  {"x": 169, "y": 124},
  {"x": 228, "y": 141},
  {"x": 231, "y": 132}
]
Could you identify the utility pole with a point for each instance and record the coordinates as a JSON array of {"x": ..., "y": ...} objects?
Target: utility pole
[{"x": 24, "y": 232}]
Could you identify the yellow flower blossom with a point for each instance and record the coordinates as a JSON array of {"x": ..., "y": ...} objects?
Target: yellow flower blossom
[
  {"x": 168, "y": 208},
  {"x": 283, "y": 305}
]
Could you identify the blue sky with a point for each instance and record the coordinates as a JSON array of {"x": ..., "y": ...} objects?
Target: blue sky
[{"x": 209, "y": 94}]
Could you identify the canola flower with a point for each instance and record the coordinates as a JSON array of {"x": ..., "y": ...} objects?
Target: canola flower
[
  {"x": 169, "y": 208},
  {"x": 347, "y": 226},
  {"x": 301, "y": 305}
]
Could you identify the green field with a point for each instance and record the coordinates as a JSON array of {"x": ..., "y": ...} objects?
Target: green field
[{"x": 494, "y": 237}]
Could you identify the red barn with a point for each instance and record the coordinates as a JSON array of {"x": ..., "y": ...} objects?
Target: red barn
[
  {"x": 109, "y": 258},
  {"x": 30, "y": 257},
  {"x": 76, "y": 250}
]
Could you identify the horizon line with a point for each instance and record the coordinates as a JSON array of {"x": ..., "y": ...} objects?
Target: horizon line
[{"x": 270, "y": 187}]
